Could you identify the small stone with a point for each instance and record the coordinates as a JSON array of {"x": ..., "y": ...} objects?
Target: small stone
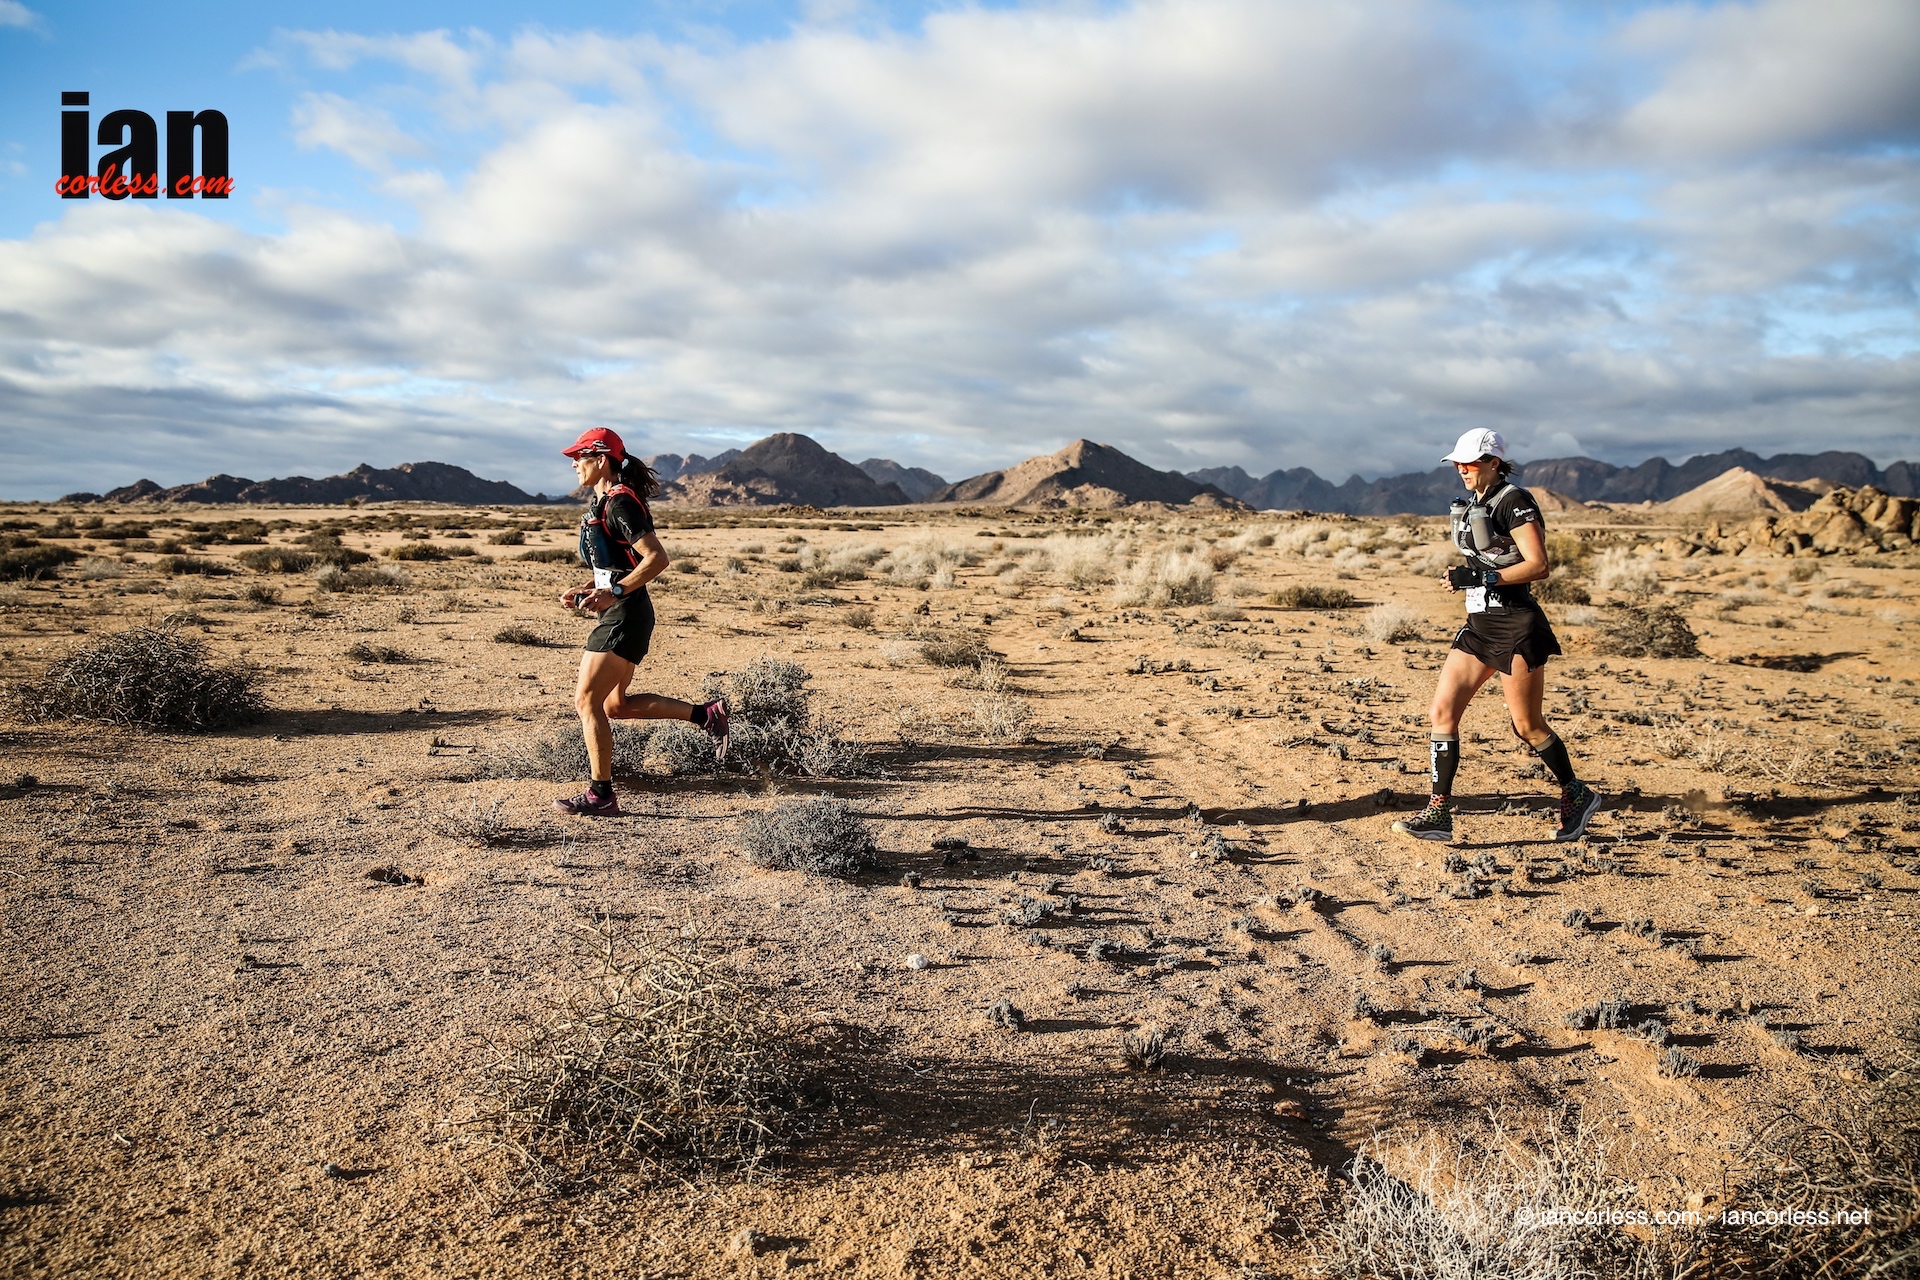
[{"x": 917, "y": 961}]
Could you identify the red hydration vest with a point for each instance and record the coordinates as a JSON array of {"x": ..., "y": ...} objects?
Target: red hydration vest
[{"x": 598, "y": 543}]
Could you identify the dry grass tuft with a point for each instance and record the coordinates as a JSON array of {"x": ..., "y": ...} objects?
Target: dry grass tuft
[
  {"x": 334, "y": 579},
  {"x": 517, "y": 634},
  {"x": 1166, "y": 579},
  {"x": 381, "y": 654},
  {"x": 821, "y": 836},
  {"x": 149, "y": 677},
  {"x": 1392, "y": 623},
  {"x": 655, "y": 1057},
  {"x": 475, "y": 822}
]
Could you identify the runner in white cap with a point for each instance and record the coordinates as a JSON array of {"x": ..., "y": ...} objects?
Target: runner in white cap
[{"x": 1500, "y": 532}]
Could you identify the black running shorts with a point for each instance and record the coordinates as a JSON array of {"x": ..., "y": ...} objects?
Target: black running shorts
[
  {"x": 625, "y": 630},
  {"x": 1496, "y": 635}
]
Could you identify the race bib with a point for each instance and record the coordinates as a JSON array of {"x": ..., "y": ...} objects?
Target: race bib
[
  {"x": 602, "y": 579},
  {"x": 1476, "y": 599}
]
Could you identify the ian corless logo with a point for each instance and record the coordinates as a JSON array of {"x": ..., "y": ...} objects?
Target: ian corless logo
[{"x": 132, "y": 168}]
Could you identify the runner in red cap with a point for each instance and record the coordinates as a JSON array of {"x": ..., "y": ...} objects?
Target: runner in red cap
[{"x": 618, "y": 542}]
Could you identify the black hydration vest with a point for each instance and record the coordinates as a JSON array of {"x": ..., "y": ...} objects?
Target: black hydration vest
[
  {"x": 1483, "y": 532},
  {"x": 600, "y": 547}
]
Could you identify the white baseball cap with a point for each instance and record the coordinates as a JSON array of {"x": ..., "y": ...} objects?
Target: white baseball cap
[{"x": 1477, "y": 444}]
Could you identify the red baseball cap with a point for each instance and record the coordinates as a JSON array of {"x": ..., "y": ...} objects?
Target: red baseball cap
[{"x": 597, "y": 440}]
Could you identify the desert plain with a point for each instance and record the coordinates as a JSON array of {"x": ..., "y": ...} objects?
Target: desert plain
[{"x": 255, "y": 976}]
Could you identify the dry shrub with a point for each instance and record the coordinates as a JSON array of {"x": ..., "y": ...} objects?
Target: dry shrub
[
  {"x": 415, "y": 551},
  {"x": 1312, "y": 596},
  {"x": 334, "y": 579},
  {"x": 1619, "y": 569},
  {"x": 561, "y": 755},
  {"x": 1854, "y": 1146},
  {"x": 176, "y": 566},
  {"x": 822, "y": 836},
  {"x": 848, "y": 562},
  {"x": 33, "y": 562},
  {"x": 150, "y": 677},
  {"x": 98, "y": 569},
  {"x": 925, "y": 562},
  {"x": 1480, "y": 1211},
  {"x": 1392, "y": 623},
  {"x": 1563, "y": 588},
  {"x": 288, "y": 560},
  {"x": 954, "y": 648},
  {"x": 1001, "y": 717},
  {"x": 508, "y": 538},
  {"x": 1168, "y": 578},
  {"x": 654, "y": 1057},
  {"x": 678, "y": 749},
  {"x": 475, "y": 822},
  {"x": 551, "y": 555},
  {"x": 517, "y": 634},
  {"x": 386, "y": 654},
  {"x": 1645, "y": 627},
  {"x": 1082, "y": 561}
]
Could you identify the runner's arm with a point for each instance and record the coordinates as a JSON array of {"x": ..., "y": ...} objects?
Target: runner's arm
[{"x": 1533, "y": 547}]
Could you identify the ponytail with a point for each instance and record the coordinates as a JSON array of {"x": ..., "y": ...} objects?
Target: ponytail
[{"x": 639, "y": 477}]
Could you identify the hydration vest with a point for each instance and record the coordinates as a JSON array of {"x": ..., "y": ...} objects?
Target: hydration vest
[
  {"x": 1485, "y": 545},
  {"x": 600, "y": 547}
]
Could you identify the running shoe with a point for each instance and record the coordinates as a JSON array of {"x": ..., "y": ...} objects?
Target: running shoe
[
  {"x": 1577, "y": 804},
  {"x": 716, "y": 727},
  {"x": 589, "y": 805},
  {"x": 1435, "y": 822}
]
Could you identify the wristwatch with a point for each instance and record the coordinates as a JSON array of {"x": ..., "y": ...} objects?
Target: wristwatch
[
  {"x": 1491, "y": 578},
  {"x": 618, "y": 590}
]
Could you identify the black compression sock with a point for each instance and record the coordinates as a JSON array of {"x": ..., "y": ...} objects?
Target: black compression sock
[
  {"x": 601, "y": 790},
  {"x": 1553, "y": 754},
  {"x": 699, "y": 716},
  {"x": 1443, "y": 760}
]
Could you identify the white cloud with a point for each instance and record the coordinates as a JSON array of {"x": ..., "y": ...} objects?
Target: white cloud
[
  {"x": 366, "y": 135},
  {"x": 1216, "y": 231},
  {"x": 15, "y": 14},
  {"x": 1784, "y": 73}
]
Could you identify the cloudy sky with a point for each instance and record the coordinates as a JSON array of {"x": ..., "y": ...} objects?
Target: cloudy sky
[{"x": 1206, "y": 231}]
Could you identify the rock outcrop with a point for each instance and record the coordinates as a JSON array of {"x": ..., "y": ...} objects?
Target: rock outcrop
[
  {"x": 1083, "y": 474},
  {"x": 1840, "y": 522}
]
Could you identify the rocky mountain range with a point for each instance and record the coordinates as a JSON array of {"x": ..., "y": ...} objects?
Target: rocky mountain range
[
  {"x": 408, "y": 482},
  {"x": 794, "y": 469},
  {"x": 1583, "y": 479}
]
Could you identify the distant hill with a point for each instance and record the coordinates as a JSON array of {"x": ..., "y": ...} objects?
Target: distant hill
[
  {"x": 1738, "y": 491},
  {"x": 408, "y": 482},
  {"x": 1083, "y": 474},
  {"x": 915, "y": 482},
  {"x": 783, "y": 468}
]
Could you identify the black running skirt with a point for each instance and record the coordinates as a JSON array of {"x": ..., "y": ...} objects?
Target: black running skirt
[
  {"x": 1496, "y": 635},
  {"x": 625, "y": 630}
]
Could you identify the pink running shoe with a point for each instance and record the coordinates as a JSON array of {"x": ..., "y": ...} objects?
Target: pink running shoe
[
  {"x": 588, "y": 805},
  {"x": 717, "y": 727}
]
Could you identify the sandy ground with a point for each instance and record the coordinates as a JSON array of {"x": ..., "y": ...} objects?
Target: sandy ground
[{"x": 226, "y": 1051}]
